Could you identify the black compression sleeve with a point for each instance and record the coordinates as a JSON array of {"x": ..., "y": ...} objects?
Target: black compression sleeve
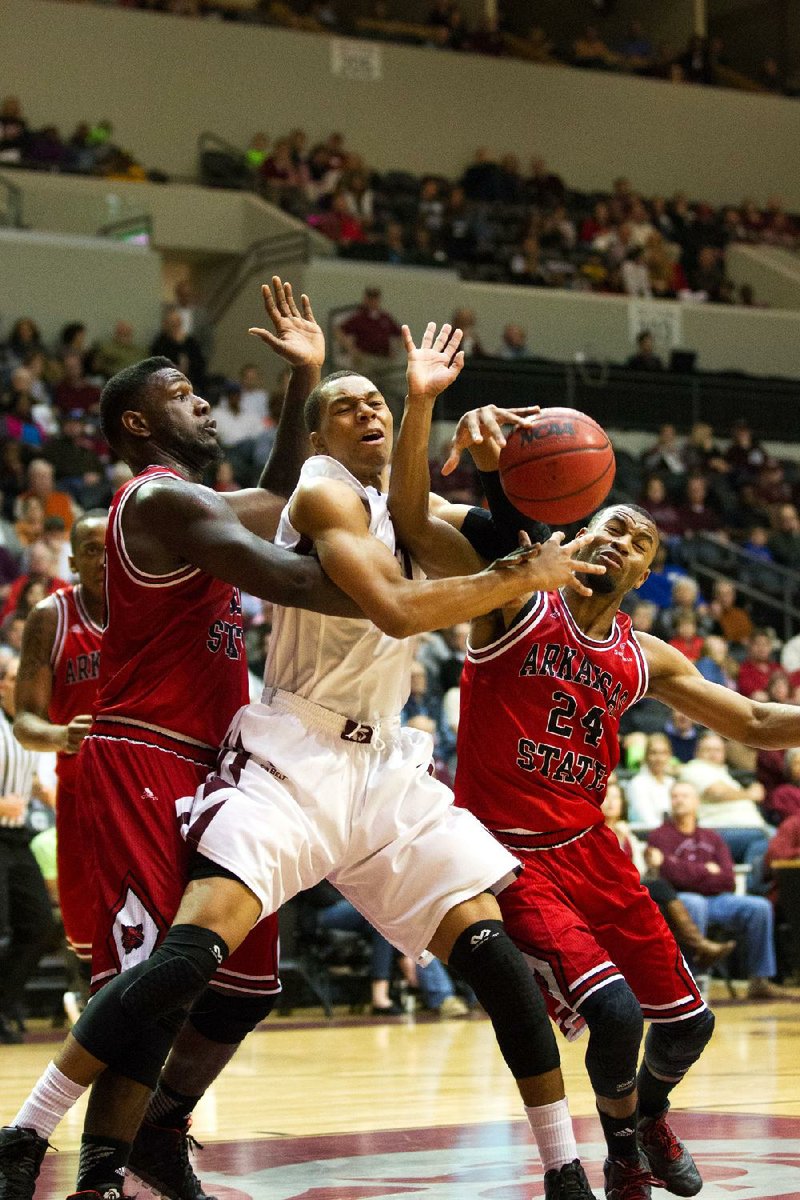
[{"x": 496, "y": 532}]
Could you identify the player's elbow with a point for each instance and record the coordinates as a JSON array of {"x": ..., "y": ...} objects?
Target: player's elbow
[
  {"x": 760, "y": 733},
  {"x": 393, "y": 619}
]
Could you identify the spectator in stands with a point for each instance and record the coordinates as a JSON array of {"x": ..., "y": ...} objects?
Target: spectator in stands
[
  {"x": 196, "y": 320},
  {"x": 514, "y": 345},
  {"x": 714, "y": 663},
  {"x": 686, "y": 601},
  {"x": 683, "y": 737},
  {"x": 392, "y": 244},
  {"x": 745, "y": 456},
  {"x": 526, "y": 266},
  {"x": 733, "y": 621},
  {"x": 75, "y": 392},
  {"x": 544, "y": 188},
  {"x": 636, "y": 48},
  {"x": 338, "y": 223},
  {"x": 784, "y": 543},
  {"x": 770, "y": 76},
  {"x": 698, "y": 864},
  {"x": 700, "y": 452},
  {"x": 658, "y": 585},
  {"x": 235, "y": 425},
  {"x": 255, "y": 397},
  {"x": 596, "y": 227},
  {"x": 666, "y": 454},
  {"x": 727, "y": 806},
  {"x": 360, "y": 197},
  {"x": 460, "y": 231},
  {"x": 645, "y": 358},
  {"x": 686, "y": 638},
  {"x": 707, "y": 277},
  {"x": 41, "y": 569},
  {"x": 41, "y": 483},
  {"x": 698, "y": 514},
  {"x": 29, "y": 526},
  {"x": 14, "y": 132},
  {"x": 181, "y": 348},
  {"x": 27, "y": 918},
  {"x": 648, "y": 790},
  {"x": 784, "y": 800},
  {"x": 19, "y": 422},
  {"x": 590, "y": 50},
  {"x": 655, "y": 499},
  {"x": 771, "y": 485},
  {"x": 118, "y": 351},
  {"x": 666, "y": 274},
  {"x": 78, "y": 469},
  {"x": 481, "y": 179},
  {"x": 616, "y": 815},
  {"x": 758, "y": 666},
  {"x": 23, "y": 339},
  {"x": 371, "y": 335}
]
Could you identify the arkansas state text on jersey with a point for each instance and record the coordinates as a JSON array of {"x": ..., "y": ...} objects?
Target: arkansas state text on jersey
[{"x": 539, "y": 727}]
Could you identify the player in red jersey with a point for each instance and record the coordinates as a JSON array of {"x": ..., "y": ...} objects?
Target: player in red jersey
[
  {"x": 56, "y": 689},
  {"x": 172, "y": 673},
  {"x": 544, "y": 686}
]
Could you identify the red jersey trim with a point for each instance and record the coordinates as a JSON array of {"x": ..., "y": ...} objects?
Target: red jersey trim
[
  {"x": 145, "y": 578},
  {"x": 62, "y": 617},
  {"x": 591, "y": 643},
  {"x": 512, "y": 635},
  {"x": 83, "y": 611},
  {"x": 644, "y": 670},
  {"x": 533, "y": 842},
  {"x": 127, "y": 729}
]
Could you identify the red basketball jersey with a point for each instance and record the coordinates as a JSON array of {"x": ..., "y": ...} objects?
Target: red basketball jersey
[
  {"x": 168, "y": 637},
  {"x": 539, "y": 722},
  {"x": 75, "y": 660}
]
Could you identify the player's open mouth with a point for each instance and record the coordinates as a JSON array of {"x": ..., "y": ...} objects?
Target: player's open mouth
[
  {"x": 211, "y": 427},
  {"x": 375, "y": 436},
  {"x": 610, "y": 558}
]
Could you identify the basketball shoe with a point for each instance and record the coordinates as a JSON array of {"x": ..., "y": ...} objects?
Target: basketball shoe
[
  {"x": 628, "y": 1179},
  {"x": 668, "y": 1157},
  {"x": 21, "y": 1154},
  {"x": 567, "y": 1183},
  {"x": 109, "y": 1193},
  {"x": 160, "y": 1160}
]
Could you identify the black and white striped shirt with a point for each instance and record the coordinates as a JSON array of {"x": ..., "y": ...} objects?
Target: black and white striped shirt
[{"x": 18, "y": 768}]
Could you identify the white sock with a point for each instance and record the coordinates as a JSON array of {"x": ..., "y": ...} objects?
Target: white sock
[
  {"x": 555, "y": 1137},
  {"x": 50, "y": 1099}
]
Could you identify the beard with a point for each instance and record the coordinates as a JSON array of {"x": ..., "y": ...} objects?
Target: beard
[
  {"x": 195, "y": 452},
  {"x": 601, "y": 585}
]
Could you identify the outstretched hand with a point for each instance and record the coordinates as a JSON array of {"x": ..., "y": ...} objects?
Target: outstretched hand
[
  {"x": 435, "y": 364},
  {"x": 484, "y": 427},
  {"x": 297, "y": 337},
  {"x": 553, "y": 564}
]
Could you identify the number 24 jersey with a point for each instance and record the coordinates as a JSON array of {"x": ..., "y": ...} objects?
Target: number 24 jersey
[{"x": 538, "y": 730}]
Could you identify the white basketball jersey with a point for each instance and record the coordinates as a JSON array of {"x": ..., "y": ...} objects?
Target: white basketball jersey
[{"x": 340, "y": 663}]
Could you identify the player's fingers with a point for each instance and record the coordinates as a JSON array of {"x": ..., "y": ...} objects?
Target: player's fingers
[
  {"x": 267, "y": 337},
  {"x": 442, "y": 338},
  {"x": 428, "y": 335},
  {"x": 290, "y": 300},
  {"x": 458, "y": 362},
  {"x": 269, "y": 302},
  {"x": 408, "y": 341},
  {"x": 280, "y": 296},
  {"x": 515, "y": 416},
  {"x": 579, "y": 587},
  {"x": 308, "y": 311},
  {"x": 557, "y": 537},
  {"x": 523, "y": 538},
  {"x": 491, "y": 426},
  {"x": 587, "y": 568},
  {"x": 454, "y": 340},
  {"x": 473, "y": 427},
  {"x": 453, "y": 459}
]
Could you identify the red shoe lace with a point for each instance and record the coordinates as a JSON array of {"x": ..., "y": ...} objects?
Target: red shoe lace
[
  {"x": 635, "y": 1181},
  {"x": 667, "y": 1142}
]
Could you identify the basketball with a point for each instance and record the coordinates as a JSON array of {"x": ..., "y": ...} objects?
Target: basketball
[{"x": 559, "y": 467}]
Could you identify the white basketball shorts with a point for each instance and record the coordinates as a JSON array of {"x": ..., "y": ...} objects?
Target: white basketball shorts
[{"x": 302, "y": 794}]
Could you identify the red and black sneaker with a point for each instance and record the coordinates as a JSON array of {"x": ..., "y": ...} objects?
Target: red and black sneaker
[
  {"x": 21, "y": 1154},
  {"x": 109, "y": 1193},
  {"x": 567, "y": 1183},
  {"x": 629, "y": 1178},
  {"x": 668, "y": 1157},
  {"x": 160, "y": 1159}
]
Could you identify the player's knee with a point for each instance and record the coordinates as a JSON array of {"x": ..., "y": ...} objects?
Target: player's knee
[
  {"x": 174, "y": 974},
  {"x": 615, "y": 1022},
  {"x": 670, "y": 1050},
  {"x": 143, "y": 1059},
  {"x": 487, "y": 959},
  {"x": 228, "y": 1018}
]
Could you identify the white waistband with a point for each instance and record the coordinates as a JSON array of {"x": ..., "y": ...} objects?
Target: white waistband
[{"x": 327, "y": 721}]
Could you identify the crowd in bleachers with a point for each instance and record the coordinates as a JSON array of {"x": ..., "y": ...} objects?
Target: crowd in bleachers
[{"x": 446, "y": 26}]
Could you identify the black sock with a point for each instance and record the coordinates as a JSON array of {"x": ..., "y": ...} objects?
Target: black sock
[
  {"x": 653, "y": 1093},
  {"x": 620, "y": 1135},
  {"x": 168, "y": 1108},
  {"x": 102, "y": 1163}
]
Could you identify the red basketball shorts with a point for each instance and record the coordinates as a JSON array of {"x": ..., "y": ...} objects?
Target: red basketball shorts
[
  {"x": 75, "y": 863},
  {"x": 581, "y": 917},
  {"x": 132, "y": 779}
]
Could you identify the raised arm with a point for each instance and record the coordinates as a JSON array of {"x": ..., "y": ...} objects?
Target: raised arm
[
  {"x": 334, "y": 518},
  {"x": 676, "y": 682},
  {"x": 32, "y": 726},
  {"x": 192, "y": 524},
  {"x": 299, "y": 340}
]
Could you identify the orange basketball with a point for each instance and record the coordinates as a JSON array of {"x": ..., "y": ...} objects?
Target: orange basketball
[{"x": 559, "y": 468}]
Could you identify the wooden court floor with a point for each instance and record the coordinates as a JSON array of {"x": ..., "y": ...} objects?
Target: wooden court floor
[{"x": 417, "y": 1108}]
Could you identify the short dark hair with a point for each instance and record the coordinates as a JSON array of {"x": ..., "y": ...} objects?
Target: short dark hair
[
  {"x": 645, "y": 333},
  {"x": 125, "y": 390},
  {"x": 93, "y": 514},
  {"x": 312, "y": 410},
  {"x": 636, "y": 508}
]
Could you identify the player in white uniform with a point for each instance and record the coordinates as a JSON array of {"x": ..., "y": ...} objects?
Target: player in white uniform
[{"x": 320, "y": 780}]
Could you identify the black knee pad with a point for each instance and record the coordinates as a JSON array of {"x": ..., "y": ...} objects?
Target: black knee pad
[
  {"x": 114, "y": 1021},
  {"x": 228, "y": 1018},
  {"x": 174, "y": 974},
  {"x": 669, "y": 1050},
  {"x": 142, "y": 1062},
  {"x": 496, "y": 971},
  {"x": 615, "y": 1022}
]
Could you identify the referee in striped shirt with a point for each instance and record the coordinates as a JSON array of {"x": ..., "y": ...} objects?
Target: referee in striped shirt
[{"x": 26, "y": 917}]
